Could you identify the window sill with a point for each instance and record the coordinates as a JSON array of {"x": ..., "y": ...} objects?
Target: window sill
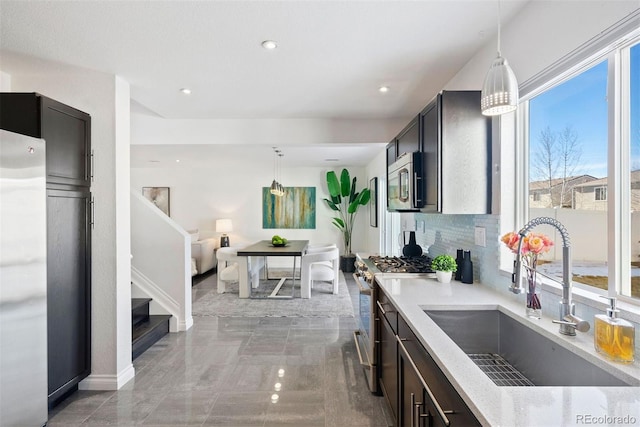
[{"x": 628, "y": 311}]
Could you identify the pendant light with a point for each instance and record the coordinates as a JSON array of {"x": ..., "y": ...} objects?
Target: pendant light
[
  {"x": 276, "y": 188},
  {"x": 280, "y": 186},
  {"x": 500, "y": 89}
]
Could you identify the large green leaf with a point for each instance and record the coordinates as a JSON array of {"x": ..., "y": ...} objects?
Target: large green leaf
[
  {"x": 365, "y": 196},
  {"x": 332, "y": 205},
  {"x": 338, "y": 223},
  {"x": 353, "y": 194},
  {"x": 333, "y": 184},
  {"x": 345, "y": 183}
]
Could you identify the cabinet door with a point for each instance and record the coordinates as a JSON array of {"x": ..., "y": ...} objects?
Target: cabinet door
[
  {"x": 392, "y": 152},
  {"x": 409, "y": 138},
  {"x": 440, "y": 401},
  {"x": 68, "y": 289},
  {"x": 431, "y": 151},
  {"x": 412, "y": 396},
  {"x": 388, "y": 362},
  {"x": 67, "y": 134}
]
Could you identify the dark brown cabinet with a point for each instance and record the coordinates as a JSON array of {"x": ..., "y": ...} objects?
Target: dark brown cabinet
[
  {"x": 415, "y": 387},
  {"x": 388, "y": 352},
  {"x": 66, "y": 132},
  {"x": 456, "y": 142},
  {"x": 409, "y": 138}
]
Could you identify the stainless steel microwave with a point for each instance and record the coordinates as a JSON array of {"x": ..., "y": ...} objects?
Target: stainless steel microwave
[{"x": 405, "y": 183}]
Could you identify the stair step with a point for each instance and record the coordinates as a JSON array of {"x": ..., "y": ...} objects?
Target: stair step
[
  {"x": 139, "y": 310},
  {"x": 145, "y": 334}
]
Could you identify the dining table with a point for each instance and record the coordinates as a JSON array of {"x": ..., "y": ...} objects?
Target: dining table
[{"x": 264, "y": 248}]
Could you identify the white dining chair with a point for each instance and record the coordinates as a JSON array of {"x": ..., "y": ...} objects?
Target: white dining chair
[{"x": 320, "y": 265}]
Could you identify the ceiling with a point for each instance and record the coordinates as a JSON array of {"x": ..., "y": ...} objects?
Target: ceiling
[{"x": 332, "y": 56}]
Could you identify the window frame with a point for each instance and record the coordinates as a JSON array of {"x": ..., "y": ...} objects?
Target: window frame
[
  {"x": 598, "y": 192},
  {"x": 613, "y": 46}
]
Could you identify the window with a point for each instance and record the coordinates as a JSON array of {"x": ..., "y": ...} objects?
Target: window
[
  {"x": 601, "y": 193},
  {"x": 583, "y": 134}
]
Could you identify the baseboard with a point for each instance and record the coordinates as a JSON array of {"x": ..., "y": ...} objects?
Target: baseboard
[
  {"x": 186, "y": 324},
  {"x": 108, "y": 382}
]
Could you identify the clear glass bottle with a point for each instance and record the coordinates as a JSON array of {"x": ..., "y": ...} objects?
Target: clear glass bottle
[{"x": 614, "y": 337}]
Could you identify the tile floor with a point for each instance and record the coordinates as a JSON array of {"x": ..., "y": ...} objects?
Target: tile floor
[{"x": 240, "y": 372}]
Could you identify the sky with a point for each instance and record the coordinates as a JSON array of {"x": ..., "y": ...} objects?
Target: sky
[{"x": 581, "y": 103}]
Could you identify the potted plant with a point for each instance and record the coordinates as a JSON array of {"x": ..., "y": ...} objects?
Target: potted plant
[
  {"x": 444, "y": 265},
  {"x": 345, "y": 200}
]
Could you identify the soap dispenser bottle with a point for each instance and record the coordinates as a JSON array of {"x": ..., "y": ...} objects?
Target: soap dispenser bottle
[{"x": 614, "y": 337}]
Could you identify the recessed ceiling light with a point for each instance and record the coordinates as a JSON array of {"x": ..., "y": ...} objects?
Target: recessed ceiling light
[
  {"x": 383, "y": 89},
  {"x": 186, "y": 91},
  {"x": 269, "y": 44},
  {"x": 177, "y": 160}
]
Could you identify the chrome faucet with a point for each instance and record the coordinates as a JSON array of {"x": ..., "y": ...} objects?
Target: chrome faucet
[{"x": 568, "y": 321}]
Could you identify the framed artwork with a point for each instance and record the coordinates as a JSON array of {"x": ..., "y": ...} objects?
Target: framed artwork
[
  {"x": 296, "y": 209},
  {"x": 373, "y": 204},
  {"x": 159, "y": 196}
]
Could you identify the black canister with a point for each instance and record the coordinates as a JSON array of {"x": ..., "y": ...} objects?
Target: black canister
[
  {"x": 459, "y": 259},
  {"x": 467, "y": 268}
]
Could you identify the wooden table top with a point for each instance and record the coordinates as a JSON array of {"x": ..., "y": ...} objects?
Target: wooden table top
[{"x": 265, "y": 248}]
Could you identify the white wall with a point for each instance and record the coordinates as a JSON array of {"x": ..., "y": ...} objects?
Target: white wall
[
  {"x": 199, "y": 196},
  {"x": 377, "y": 168},
  {"x": 101, "y": 95}
]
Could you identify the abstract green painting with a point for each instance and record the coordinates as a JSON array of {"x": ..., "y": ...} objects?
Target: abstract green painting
[{"x": 296, "y": 209}]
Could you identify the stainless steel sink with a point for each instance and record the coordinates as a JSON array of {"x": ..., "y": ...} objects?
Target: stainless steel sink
[{"x": 512, "y": 354}]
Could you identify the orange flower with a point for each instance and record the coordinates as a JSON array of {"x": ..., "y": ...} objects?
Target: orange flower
[{"x": 532, "y": 244}]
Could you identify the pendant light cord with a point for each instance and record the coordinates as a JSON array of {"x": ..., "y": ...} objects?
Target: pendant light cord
[{"x": 499, "y": 19}]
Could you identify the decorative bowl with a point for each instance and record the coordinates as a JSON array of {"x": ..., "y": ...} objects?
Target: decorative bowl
[{"x": 279, "y": 245}]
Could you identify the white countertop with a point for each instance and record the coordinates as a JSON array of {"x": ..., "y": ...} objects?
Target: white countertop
[{"x": 513, "y": 406}]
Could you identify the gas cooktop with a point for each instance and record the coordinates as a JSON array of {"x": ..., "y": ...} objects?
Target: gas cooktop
[{"x": 394, "y": 264}]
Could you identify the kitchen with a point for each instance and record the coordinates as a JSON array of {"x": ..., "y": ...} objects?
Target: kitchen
[{"x": 519, "y": 40}]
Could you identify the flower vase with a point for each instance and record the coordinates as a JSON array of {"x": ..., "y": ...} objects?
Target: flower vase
[{"x": 534, "y": 307}]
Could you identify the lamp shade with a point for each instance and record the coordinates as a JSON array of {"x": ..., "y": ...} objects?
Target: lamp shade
[
  {"x": 223, "y": 225},
  {"x": 500, "y": 90}
]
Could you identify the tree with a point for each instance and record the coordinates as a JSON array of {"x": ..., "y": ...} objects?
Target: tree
[{"x": 555, "y": 159}]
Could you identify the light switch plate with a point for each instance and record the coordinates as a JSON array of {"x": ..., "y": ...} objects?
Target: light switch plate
[{"x": 480, "y": 237}]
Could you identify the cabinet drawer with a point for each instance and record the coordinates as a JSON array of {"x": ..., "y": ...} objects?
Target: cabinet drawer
[
  {"x": 444, "y": 394},
  {"x": 387, "y": 311}
]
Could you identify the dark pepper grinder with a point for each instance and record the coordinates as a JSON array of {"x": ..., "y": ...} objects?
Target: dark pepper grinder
[
  {"x": 459, "y": 260},
  {"x": 467, "y": 268}
]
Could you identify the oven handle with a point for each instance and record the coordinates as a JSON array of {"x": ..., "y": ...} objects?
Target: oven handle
[
  {"x": 357, "y": 343},
  {"x": 363, "y": 290}
]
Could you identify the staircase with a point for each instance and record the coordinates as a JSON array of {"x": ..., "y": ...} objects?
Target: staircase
[{"x": 146, "y": 329}]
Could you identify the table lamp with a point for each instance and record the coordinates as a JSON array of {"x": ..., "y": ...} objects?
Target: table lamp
[{"x": 224, "y": 226}]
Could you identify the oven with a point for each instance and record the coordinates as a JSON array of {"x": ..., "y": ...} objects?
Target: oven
[
  {"x": 367, "y": 268},
  {"x": 364, "y": 337}
]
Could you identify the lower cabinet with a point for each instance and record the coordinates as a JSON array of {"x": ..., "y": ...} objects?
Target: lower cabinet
[
  {"x": 418, "y": 392},
  {"x": 68, "y": 290},
  {"x": 388, "y": 356},
  {"x": 426, "y": 397}
]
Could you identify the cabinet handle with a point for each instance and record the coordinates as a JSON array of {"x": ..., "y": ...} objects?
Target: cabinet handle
[
  {"x": 92, "y": 208},
  {"x": 416, "y": 178},
  {"x": 441, "y": 413},
  {"x": 382, "y": 309},
  {"x": 91, "y": 166}
]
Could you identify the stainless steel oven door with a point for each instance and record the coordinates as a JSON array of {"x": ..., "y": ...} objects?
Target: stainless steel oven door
[{"x": 364, "y": 338}]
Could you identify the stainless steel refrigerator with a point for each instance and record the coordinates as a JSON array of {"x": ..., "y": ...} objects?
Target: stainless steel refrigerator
[{"x": 23, "y": 281}]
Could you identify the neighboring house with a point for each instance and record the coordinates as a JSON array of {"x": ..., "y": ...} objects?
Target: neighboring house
[
  {"x": 592, "y": 195},
  {"x": 558, "y": 192}
]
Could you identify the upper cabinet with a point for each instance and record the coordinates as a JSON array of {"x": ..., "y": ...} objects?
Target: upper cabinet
[
  {"x": 66, "y": 131},
  {"x": 409, "y": 139},
  {"x": 449, "y": 170},
  {"x": 456, "y": 145}
]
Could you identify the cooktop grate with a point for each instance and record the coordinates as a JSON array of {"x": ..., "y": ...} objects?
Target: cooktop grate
[{"x": 499, "y": 370}]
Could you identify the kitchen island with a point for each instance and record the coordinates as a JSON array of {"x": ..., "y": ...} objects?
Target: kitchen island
[{"x": 494, "y": 405}]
